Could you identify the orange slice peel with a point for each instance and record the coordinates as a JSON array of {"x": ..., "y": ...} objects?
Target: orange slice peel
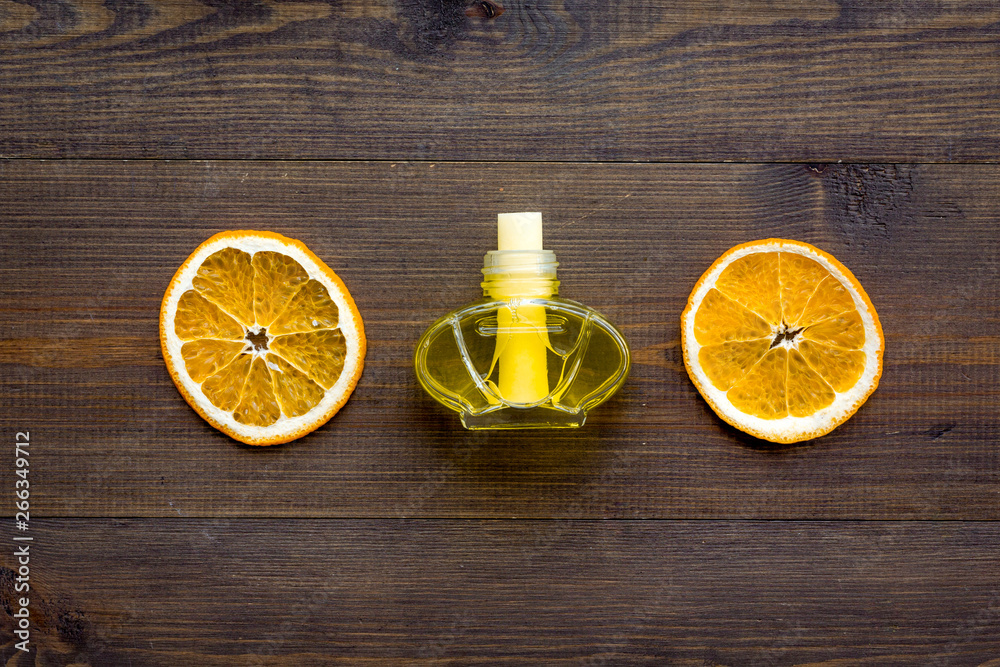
[
  {"x": 781, "y": 340},
  {"x": 261, "y": 337}
]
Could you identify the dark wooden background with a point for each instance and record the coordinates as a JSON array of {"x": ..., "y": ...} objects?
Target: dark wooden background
[{"x": 387, "y": 135}]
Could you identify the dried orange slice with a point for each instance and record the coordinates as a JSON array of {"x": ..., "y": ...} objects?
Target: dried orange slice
[
  {"x": 261, "y": 337},
  {"x": 781, "y": 340}
]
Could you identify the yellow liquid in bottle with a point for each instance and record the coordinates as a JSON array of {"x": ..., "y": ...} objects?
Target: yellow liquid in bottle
[
  {"x": 522, "y": 343},
  {"x": 586, "y": 360}
]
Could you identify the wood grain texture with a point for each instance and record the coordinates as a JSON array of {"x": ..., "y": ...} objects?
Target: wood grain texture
[
  {"x": 90, "y": 247},
  {"x": 640, "y": 80},
  {"x": 321, "y": 592}
]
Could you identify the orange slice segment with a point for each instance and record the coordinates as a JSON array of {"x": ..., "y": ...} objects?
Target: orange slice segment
[
  {"x": 310, "y": 309},
  {"x": 296, "y": 392},
  {"x": 799, "y": 277},
  {"x": 197, "y": 317},
  {"x": 226, "y": 279},
  {"x": 722, "y": 320},
  {"x": 225, "y": 388},
  {"x": 261, "y": 338},
  {"x": 727, "y": 363},
  {"x": 752, "y": 281},
  {"x": 762, "y": 392},
  {"x": 829, "y": 299},
  {"x": 319, "y": 354},
  {"x": 840, "y": 368},
  {"x": 846, "y": 330},
  {"x": 807, "y": 392},
  {"x": 276, "y": 279},
  {"x": 781, "y": 340},
  {"x": 258, "y": 406},
  {"x": 203, "y": 358}
]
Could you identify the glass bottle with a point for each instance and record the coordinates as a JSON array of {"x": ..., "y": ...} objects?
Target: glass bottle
[{"x": 521, "y": 357}]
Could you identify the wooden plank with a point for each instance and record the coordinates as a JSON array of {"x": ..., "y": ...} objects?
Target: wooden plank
[
  {"x": 294, "y": 592},
  {"x": 90, "y": 247},
  {"x": 769, "y": 80}
]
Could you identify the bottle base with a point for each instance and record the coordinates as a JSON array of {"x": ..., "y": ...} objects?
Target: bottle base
[{"x": 512, "y": 418}]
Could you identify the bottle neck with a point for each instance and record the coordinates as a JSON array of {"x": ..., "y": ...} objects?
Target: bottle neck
[{"x": 520, "y": 274}]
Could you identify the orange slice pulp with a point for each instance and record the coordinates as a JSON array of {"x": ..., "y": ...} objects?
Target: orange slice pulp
[
  {"x": 781, "y": 340},
  {"x": 261, "y": 337}
]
